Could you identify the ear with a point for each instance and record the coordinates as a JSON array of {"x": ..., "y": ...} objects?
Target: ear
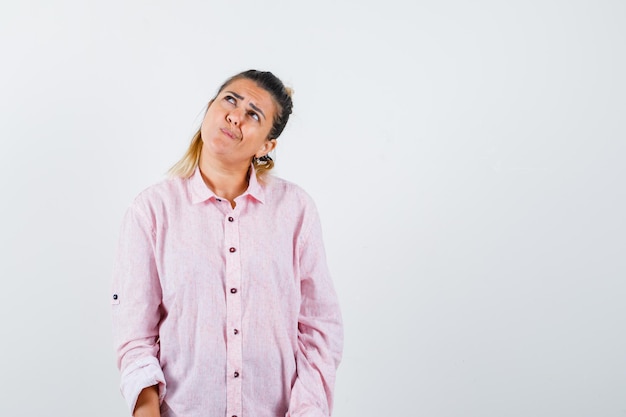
[{"x": 268, "y": 146}]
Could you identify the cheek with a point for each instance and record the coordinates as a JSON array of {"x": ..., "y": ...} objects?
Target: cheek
[
  {"x": 260, "y": 138},
  {"x": 265, "y": 132},
  {"x": 204, "y": 127}
]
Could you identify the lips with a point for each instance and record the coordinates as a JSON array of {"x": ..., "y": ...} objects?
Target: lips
[{"x": 229, "y": 133}]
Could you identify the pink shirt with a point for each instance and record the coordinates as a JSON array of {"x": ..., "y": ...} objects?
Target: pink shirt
[{"x": 232, "y": 312}]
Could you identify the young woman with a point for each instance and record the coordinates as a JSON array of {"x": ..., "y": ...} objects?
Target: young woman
[{"x": 223, "y": 305}]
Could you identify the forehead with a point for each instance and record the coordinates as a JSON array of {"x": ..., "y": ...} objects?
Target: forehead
[{"x": 252, "y": 92}]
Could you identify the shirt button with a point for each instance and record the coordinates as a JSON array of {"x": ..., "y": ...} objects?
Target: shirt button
[
  {"x": 232, "y": 250},
  {"x": 230, "y": 219},
  {"x": 236, "y": 331},
  {"x": 115, "y": 296},
  {"x": 236, "y": 374},
  {"x": 233, "y": 290}
]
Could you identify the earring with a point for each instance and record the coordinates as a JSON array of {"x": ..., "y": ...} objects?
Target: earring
[{"x": 262, "y": 160}]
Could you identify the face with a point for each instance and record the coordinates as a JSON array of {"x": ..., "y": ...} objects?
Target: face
[{"x": 237, "y": 124}]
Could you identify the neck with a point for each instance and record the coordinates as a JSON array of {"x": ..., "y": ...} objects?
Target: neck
[{"x": 225, "y": 181}]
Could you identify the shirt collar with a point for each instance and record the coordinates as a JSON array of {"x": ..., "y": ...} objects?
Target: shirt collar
[
  {"x": 201, "y": 192},
  {"x": 255, "y": 189}
]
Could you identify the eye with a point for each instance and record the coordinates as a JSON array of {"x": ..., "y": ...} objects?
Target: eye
[
  {"x": 254, "y": 116},
  {"x": 230, "y": 99}
]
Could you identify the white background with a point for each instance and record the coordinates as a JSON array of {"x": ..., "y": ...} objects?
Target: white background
[{"x": 467, "y": 159}]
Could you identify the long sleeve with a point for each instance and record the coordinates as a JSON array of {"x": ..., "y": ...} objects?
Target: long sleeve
[
  {"x": 136, "y": 311},
  {"x": 320, "y": 331}
]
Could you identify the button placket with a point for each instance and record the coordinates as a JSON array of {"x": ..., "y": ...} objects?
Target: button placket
[{"x": 234, "y": 355}]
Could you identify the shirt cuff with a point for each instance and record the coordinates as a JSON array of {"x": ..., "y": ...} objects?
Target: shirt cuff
[
  {"x": 306, "y": 411},
  {"x": 142, "y": 373}
]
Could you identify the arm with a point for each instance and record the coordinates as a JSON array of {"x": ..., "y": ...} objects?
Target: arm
[
  {"x": 320, "y": 331},
  {"x": 136, "y": 308},
  {"x": 148, "y": 403}
]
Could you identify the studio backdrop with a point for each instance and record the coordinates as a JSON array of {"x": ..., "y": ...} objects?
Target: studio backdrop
[{"x": 466, "y": 158}]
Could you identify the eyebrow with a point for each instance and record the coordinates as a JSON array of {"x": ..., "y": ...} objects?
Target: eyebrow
[{"x": 239, "y": 97}]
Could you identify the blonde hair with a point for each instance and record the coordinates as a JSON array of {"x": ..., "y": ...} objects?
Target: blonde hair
[
  {"x": 281, "y": 96},
  {"x": 186, "y": 166}
]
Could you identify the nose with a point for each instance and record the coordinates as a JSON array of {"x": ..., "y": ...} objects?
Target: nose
[{"x": 235, "y": 116}]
